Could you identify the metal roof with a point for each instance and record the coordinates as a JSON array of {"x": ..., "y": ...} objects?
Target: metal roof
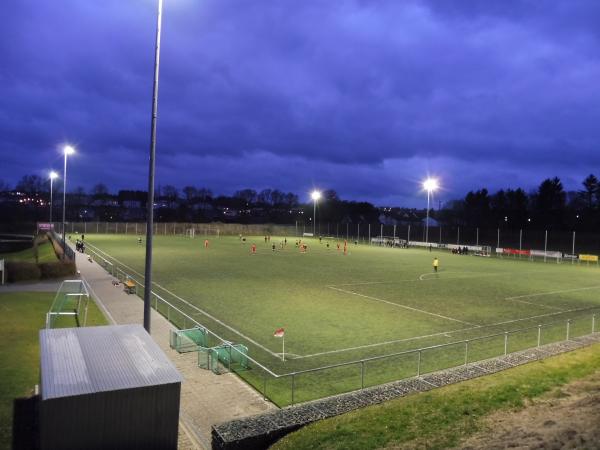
[{"x": 77, "y": 361}]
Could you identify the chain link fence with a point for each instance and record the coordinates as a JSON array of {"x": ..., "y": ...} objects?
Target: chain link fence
[{"x": 223, "y": 349}]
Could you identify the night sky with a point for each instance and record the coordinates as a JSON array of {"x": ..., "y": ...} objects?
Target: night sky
[{"x": 364, "y": 97}]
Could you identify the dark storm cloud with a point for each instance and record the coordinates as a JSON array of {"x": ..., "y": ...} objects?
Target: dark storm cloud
[{"x": 365, "y": 97}]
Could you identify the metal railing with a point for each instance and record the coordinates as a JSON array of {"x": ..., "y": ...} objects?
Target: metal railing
[
  {"x": 509, "y": 235},
  {"x": 308, "y": 384},
  {"x": 68, "y": 251}
]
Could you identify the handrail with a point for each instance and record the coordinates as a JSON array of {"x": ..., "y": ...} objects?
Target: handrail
[
  {"x": 189, "y": 317},
  {"x": 358, "y": 361}
]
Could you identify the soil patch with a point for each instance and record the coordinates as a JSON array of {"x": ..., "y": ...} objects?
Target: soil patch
[{"x": 567, "y": 418}]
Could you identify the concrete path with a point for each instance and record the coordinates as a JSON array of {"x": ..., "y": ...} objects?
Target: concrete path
[{"x": 206, "y": 399}]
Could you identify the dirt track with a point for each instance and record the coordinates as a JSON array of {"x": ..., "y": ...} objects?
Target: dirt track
[{"x": 567, "y": 418}]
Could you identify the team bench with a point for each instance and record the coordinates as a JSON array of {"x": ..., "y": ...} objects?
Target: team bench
[{"x": 129, "y": 286}]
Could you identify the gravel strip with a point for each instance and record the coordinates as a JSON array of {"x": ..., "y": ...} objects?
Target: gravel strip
[
  {"x": 261, "y": 431},
  {"x": 455, "y": 375}
]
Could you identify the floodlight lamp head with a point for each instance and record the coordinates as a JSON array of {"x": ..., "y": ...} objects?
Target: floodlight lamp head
[
  {"x": 53, "y": 175},
  {"x": 315, "y": 195},
  {"x": 69, "y": 150},
  {"x": 430, "y": 184}
]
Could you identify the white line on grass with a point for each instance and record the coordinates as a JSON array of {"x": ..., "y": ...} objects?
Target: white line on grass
[
  {"x": 442, "y": 333},
  {"x": 398, "y": 305},
  {"x": 395, "y": 341},
  {"x": 587, "y": 308},
  {"x": 553, "y": 292},
  {"x": 371, "y": 282},
  {"x": 422, "y": 278},
  {"x": 194, "y": 306},
  {"x": 534, "y": 304}
]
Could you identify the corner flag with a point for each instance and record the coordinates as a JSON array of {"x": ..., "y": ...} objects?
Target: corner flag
[{"x": 280, "y": 333}]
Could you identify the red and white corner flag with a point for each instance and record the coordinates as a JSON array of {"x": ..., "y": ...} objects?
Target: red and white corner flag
[{"x": 280, "y": 333}]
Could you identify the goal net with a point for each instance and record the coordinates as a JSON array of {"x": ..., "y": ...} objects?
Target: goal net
[
  {"x": 189, "y": 340},
  {"x": 72, "y": 300}
]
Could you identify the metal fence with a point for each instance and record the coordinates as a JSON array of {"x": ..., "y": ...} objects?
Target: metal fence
[
  {"x": 303, "y": 385},
  {"x": 68, "y": 251},
  {"x": 178, "y": 228},
  {"x": 569, "y": 242}
]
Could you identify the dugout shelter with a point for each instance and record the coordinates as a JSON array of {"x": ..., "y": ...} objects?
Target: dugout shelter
[{"x": 106, "y": 387}]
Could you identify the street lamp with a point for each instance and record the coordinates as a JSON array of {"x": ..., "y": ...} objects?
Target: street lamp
[
  {"x": 430, "y": 185},
  {"x": 53, "y": 175},
  {"x": 67, "y": 150},
  {"x": 151, "y": 167},
  {"x": 315, "y": 195}
]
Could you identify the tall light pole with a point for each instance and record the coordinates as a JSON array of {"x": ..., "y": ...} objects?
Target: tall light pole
[
  {"x": 53, "y": 175},
  {"x": 315, "y": 195},
  {"x": 430, "y": 185},
  {"x": 150, "y": 201},
  {"x": 67, "y": 150}
]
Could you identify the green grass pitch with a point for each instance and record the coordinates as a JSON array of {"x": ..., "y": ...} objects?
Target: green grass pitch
[{"x": 374, "y": 301}]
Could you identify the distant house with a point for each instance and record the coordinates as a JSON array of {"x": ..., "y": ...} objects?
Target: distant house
[
  {"x": 228, "y": 212},
  {"x": 432, "y": 222},
  {"x": 387, "y": 220},
  {"x": 131, "y": 204}
]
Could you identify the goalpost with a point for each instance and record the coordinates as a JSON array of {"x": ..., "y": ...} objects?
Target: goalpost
[{"x": 72, "y": 299}]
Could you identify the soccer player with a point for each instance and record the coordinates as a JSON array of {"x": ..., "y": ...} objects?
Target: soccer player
[
  {"x": 273, "y": 247},
  {"x": 253, "y": 249},
  {"x": 436, "y": 263},
  {"x": 140, "y": 240},
  {"x": 206, "y": 243}
]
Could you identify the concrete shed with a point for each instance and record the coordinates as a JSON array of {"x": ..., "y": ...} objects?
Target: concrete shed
[{"x": 107, "y": 387}]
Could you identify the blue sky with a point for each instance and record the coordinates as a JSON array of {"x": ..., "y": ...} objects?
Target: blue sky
[{"x": 364, "y": 97}]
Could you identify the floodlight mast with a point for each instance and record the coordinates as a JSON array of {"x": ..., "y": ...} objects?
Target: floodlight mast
[
  {"x": 430, "y": 185},
  {"x": 53, "y": 175},
  {"x": 315, "y": 195},
  {"x": 151, "y": 170},
  {"x": 67, "y": 150}
]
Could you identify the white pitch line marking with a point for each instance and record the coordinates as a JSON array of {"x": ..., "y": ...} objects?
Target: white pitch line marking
[
  {"x": 553, "y": 292},
  {"x": 423, "y": 277},
  {"x": 403, "y": 306},
  {"x": 362, "y": 283},
  {"x": 194, "y": 307},
  {"x": 395, "y": 341},
  {"x": 534, "y": 304},
  {"x": 542, "y": 315},
  {"x": 443, "y": 333}
]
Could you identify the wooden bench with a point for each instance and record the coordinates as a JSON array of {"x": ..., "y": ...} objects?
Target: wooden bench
[{"x": 129, "y": 286}]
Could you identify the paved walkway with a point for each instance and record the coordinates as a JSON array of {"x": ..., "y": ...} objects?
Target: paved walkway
[{"x": 206, "y": 399}]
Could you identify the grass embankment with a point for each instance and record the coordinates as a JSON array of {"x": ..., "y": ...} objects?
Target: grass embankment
[
  {"x": 45, "y": 254},
  {"x": 443, "y": 417},
  {"x": 22, "y": 315},
  {"x": 38, "y": 262}
]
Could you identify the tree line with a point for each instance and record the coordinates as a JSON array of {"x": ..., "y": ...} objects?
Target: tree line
[{"x": 548, "y": 206}]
